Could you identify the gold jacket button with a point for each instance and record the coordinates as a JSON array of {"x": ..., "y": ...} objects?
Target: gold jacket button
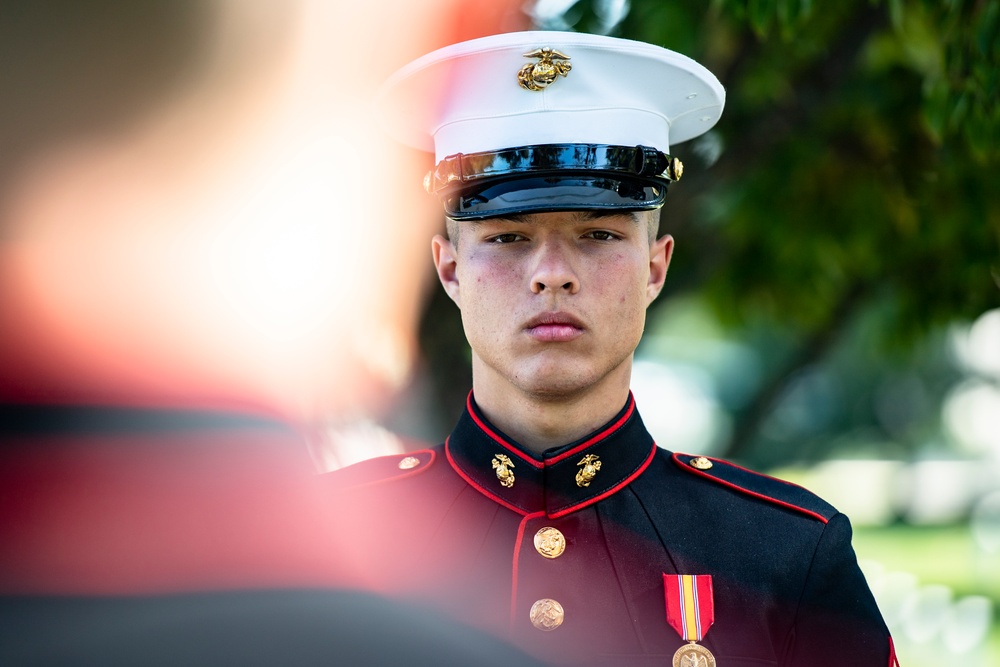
[
  {"x": 550, "y": 542},
  {"x": 409, "y": 462},
  {"x": 701, "y": 463},
  {"x": 547, "y": 615}
]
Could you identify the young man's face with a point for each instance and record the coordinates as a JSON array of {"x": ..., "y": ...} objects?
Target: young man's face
[{"x": 553, "y": 303}]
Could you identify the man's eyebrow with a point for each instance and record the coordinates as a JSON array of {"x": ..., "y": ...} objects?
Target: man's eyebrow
[
  {"x": 597, "y": 214},
  {"x": 513, "y": 217}
]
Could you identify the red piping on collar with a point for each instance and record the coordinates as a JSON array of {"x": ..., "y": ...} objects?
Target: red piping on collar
[
  {"x": 614, "y": 489},
  {"x": 600, "y": 436},
  {"x": 565, "y": 455},
  {"x": 473, "y": 484},
  {"x": 748, "y": 492},
  {"x": 488, "y": 431}
]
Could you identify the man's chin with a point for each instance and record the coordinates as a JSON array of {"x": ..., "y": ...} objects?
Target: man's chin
[
  {"x": 554, "y": 375},
  {"x": 559, "y": 383}
]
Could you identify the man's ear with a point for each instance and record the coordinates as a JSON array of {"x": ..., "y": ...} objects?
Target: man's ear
[
  {"x": 447, "y": 266},
  {"x": 659, "y": 261}
]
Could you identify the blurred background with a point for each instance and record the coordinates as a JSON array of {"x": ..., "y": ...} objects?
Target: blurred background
[{"x": 198, "y": 208}]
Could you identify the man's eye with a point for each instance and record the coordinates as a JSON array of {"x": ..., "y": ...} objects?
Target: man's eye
[
  {"x": 505, "y": 238},
  {"x": 602, "y": 235}
]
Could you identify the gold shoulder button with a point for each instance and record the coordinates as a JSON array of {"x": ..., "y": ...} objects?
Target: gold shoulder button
[
  {"x": 700, "y": 463},
  {"x": 409, "y": 462},
  {"x": 760, "y": 487}
]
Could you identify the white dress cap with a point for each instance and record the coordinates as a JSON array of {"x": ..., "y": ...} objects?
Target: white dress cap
[
  {"x": 466, "y": 98},
  {"x": 548, "y": 121}
]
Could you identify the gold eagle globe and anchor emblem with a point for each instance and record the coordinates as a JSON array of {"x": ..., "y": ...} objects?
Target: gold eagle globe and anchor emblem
[
  {"x": 586, "y": 474},
  {"x": 502, "y": 464},
  {"x": 539, "y": 75}
]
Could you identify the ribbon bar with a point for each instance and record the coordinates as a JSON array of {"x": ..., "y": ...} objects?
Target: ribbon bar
[{"x": 690, "y": 605}]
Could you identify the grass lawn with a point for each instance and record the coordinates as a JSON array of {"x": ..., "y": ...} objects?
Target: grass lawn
[{"x": 904, "y": 561}]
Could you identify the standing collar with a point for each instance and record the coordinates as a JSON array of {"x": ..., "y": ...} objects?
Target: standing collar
[{"x": 565, "y": 478}]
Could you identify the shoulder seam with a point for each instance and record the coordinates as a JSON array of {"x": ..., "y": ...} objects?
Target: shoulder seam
[
  {"x": 400, "y": 474},
  {"x": 781, "y": 503}
]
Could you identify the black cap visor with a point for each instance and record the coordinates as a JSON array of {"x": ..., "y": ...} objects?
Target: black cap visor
[
  {"x": 552, "y": 177},
  {"x": 538, "y": 194}
]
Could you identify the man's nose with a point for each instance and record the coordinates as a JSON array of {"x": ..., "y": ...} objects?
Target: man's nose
[{"x": 554, "y": 270}]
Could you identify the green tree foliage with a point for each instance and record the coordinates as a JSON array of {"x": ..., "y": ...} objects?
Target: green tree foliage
[{"x": 859, "y": 148}]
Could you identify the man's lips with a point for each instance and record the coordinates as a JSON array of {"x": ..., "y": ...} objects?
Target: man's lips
[{"x": 554, "y": 327}]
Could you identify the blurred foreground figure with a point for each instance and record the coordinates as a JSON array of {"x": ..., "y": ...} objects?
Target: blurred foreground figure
[
  {"x": 549, "y": 516},
  {"x": 173, "y": 306}
]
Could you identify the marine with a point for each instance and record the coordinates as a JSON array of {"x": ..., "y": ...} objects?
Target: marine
[{"x": 549, "y": 516}]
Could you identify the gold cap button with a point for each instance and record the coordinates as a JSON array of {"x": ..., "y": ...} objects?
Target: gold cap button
[
  {"x": 701, "y": 463},
  {"x": 675, "y": 169},
  {"x": 409, "y": 462},
  {"x": 550, "y": 542},
  {"x": 547, "y": 615}
]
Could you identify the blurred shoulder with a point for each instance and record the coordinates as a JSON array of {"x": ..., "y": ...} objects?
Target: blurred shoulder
[{"x": 384, "y": 469}]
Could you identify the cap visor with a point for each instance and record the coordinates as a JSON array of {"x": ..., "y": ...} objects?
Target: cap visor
[{"x": 539, "y": 194}]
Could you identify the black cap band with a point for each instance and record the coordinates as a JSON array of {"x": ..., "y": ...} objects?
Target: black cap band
[{"x": 552, "y": 177}]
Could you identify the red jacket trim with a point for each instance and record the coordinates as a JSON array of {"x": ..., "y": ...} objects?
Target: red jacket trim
[
  {"x": 503, "y": 443},
  {"x": 614, "y": 489},
  {"x": 516, "y": 560},
  {"x": 600, "y": 436},
  {"x": 893, "y": 661},
  {"x": 429, "y": 453},
  {"x": 476, "y": 486},
  {"x": 701, "y": 473}
]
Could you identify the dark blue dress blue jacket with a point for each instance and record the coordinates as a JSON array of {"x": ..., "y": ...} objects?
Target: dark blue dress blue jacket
[{"x": 440, "y": 526}]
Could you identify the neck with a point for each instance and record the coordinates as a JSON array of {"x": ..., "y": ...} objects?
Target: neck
[{"x": 540, "y": 420}]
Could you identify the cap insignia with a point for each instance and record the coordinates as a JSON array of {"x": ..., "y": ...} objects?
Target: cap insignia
[{"x": 551, "y": 64}]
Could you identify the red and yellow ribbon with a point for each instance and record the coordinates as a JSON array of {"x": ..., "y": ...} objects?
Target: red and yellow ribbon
[{"x": 690, "y": 605}]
